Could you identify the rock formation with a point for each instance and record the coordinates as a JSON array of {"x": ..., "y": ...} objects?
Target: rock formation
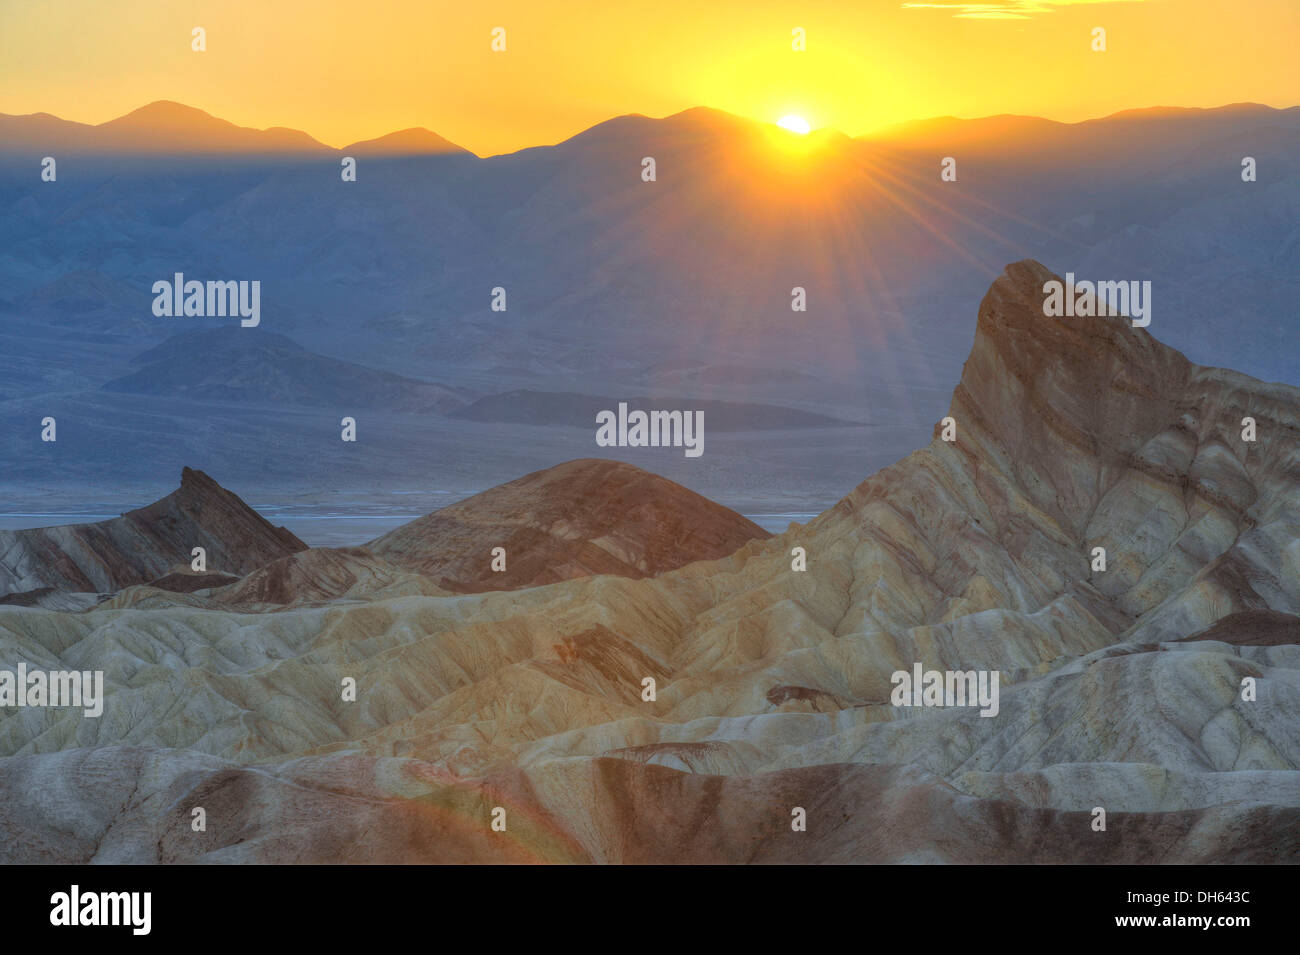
[
  {"x": 1122, "y": 688},
  {"x": 583, "y": 517},
  {"x": 145, "y": 544}
]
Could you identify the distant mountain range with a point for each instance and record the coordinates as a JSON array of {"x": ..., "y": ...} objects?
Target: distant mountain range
[
  {"x": 165, "y": 126},
  {"x": 614, "y": 286},
  {"x": 168, "y": 127}
]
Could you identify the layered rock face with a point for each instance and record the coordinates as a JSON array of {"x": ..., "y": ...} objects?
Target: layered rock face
[
  {"x": 576, "y": 519},
  {"x": 145, "y": 544},
  {"x": 314, "y": 576},
  {"x": 1164, "y": 689}
]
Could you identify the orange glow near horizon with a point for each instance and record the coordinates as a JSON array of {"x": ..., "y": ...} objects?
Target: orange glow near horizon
[{"x": 344, "y": 73}]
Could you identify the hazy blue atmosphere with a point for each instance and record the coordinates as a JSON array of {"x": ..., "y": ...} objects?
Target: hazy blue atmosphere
[{"x": 375, "y": 299}]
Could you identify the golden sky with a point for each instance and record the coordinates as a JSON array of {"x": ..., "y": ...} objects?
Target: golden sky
[{"x": 356, "y": 70}]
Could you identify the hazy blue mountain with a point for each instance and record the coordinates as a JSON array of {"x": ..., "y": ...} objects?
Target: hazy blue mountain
[
  {"x": 615, "y": 286},
  {"x": 267, "y": 368}
]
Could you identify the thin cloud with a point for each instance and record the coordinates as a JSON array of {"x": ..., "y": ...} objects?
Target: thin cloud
[{"x": 1010, "y": 10}]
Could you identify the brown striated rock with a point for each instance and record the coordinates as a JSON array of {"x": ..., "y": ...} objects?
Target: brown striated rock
[
  {"x": 321, "y": 574},
  {"x": 143, "y": 545},
  {"x": 132, "y": 806},
  {"x": 583, "y": 517},
  {"x": 181, "y": 579},
  {"x": 1254, "y": 628}
]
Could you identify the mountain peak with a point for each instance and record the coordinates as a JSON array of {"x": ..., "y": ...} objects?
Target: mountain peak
[
  {"x": 1013, "y": 311},
  {"x": 166, "y": 110},
  {"x": 192, "y": 477},
  {"x": 144, "y": 544},
  {"x": 415, "y": 141},
  {"x": 1066, "y": 396},
  {"x": 582, "y": 517},
  {"x": 166, "y": 126}
]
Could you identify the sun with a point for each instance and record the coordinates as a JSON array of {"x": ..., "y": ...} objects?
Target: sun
[{"x": 794, "y": 124}]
